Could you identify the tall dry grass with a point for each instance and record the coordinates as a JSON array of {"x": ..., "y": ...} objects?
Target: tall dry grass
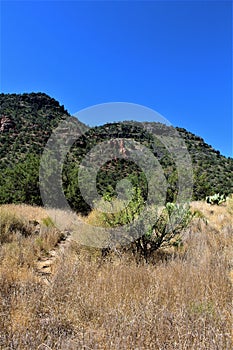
[
  {"x": 24, "y": 238},
  {"x": 184, "y": 301}
]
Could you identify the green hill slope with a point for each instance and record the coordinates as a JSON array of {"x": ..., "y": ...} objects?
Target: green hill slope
[{"x": 26, "y": 123}]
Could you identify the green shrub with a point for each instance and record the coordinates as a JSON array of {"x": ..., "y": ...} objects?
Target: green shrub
[
  {"x": 166, "y": 231},
  {"x": 148, "y": 228},
  {"x": 124, "y": 216},
  {"x": 216, "y": 199}
]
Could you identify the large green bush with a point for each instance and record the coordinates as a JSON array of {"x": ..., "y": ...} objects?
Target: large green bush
[{"x": 149, "y": 228}]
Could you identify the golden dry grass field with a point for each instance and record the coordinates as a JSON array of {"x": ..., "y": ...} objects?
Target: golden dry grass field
[{"x": 181, "y": 300}]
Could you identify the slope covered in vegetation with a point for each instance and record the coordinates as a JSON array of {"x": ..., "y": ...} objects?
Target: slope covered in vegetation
[{"x": 26, "y": 123}]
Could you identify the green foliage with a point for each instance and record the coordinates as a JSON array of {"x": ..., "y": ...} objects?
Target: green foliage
[
  {"x": 19, "y": 183},
  {"x": 216, "y": 199},
  {"x": 48, "y": 222},
  {"x": 155, "y": 228},
  {"x": 33, "y": 118},
  {"x": 131, "y": 210},
  {"x": 165, "y": 231}
]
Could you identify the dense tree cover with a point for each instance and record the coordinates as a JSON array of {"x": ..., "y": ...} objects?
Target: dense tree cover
[
  {"x": 20, "y": 183},
  {"x": 35, "y": 115}
]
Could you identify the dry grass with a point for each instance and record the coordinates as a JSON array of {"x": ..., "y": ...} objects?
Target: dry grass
[
  {"x": 183, "y": 302},
  {"x": 229, "y": 203},
  {"x": 26, "y": 211},
  {"x": 24, "y": 241}
]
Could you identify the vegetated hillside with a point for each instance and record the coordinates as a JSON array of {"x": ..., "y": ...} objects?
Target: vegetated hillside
[
  {"x": 212, "y": 171},
  {"x": 26, "y": 123}
]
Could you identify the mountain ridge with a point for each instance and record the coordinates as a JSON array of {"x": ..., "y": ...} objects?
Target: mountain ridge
[{"x": 27, "y": 121}]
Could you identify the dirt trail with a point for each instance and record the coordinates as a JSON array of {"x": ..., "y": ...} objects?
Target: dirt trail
[{"x": 45, "y": 264}]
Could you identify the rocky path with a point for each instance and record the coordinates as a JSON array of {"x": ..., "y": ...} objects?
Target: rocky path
[{"x": 44, "y": 265}]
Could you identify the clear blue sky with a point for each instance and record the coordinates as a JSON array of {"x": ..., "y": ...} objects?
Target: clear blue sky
[{"x": 172, "y": 56}]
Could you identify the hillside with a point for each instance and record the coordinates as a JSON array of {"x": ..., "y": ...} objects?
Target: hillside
[{"x": 26, "y": 123}]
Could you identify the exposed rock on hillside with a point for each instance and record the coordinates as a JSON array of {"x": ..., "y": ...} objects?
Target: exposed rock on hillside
[{"x": 6, "y": 123}]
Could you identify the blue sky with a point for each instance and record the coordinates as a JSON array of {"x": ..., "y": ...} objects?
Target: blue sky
[{"x": 172, "y": 56}]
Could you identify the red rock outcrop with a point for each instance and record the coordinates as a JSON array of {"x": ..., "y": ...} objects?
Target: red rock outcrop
[{"x": 6, "y": 123}]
